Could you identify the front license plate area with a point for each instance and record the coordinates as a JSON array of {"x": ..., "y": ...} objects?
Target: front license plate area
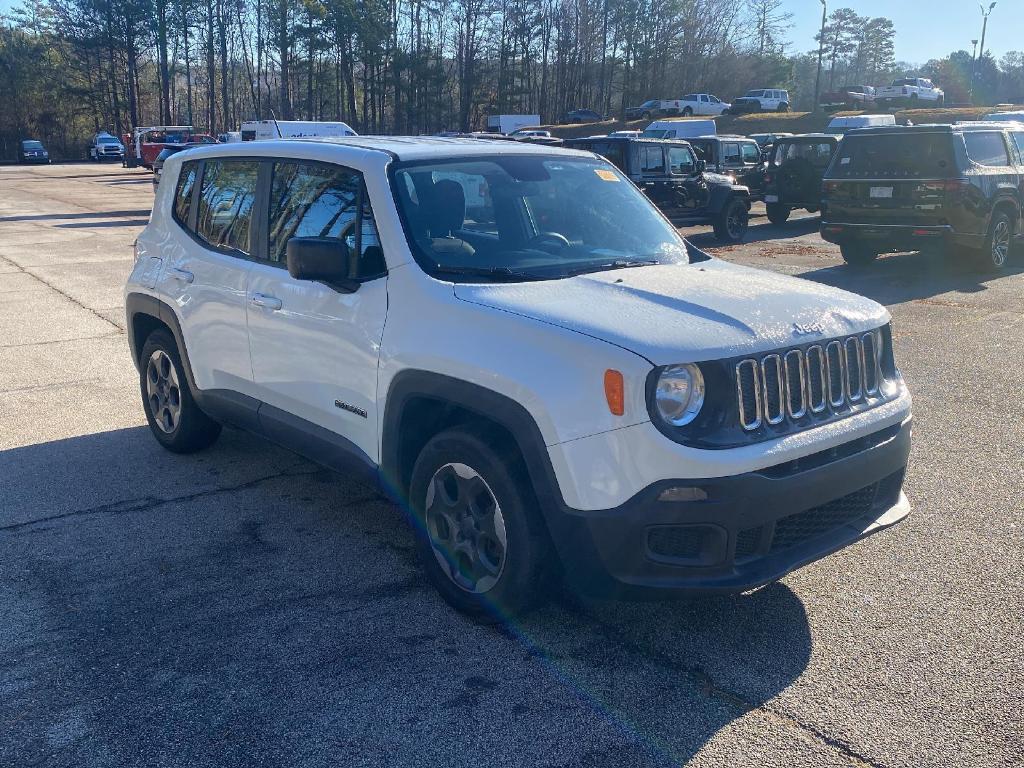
[{"x": 881, "y": 192}]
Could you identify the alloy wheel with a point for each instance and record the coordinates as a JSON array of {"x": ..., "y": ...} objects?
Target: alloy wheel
[
  {"x": 735, "y": 222},
  {"x": 1001, "y": 242},
  {"x": 163, "y": 391},
  {"x": 466, "y": 528}
]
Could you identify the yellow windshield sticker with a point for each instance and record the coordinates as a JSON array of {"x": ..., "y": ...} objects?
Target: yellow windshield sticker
[{"x": 606, "y": 175}]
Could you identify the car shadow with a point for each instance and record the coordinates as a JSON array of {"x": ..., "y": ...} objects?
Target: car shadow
[
  {"x": 903, "y": 277},
  {"x": 240, "y": 606},
  {"x": 74, "y": 216},
  {"x": 104, "y": 224}
]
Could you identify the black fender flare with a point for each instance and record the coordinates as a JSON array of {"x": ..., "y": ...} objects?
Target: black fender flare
[
  {"x": 143, "y": 305},
  {"x": 720, "y": 196},
  {"x": 489, "y": 405}
]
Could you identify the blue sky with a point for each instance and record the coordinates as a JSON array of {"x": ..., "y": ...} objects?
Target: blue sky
[{"x": 925, "y": 29}]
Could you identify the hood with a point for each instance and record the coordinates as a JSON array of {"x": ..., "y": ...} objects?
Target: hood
[{"x": 686, "y": 313}]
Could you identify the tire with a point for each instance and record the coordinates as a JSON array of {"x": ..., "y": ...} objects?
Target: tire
[
  {"x": 995, "y": 254},
  {"x": 778, "y": 213},
  {"x": 457, "y": 478},
  {"x": 857, "y": 255},
  {"x": 688, "y": 112},
  {"x": 162, "y": 382},
  {"x": 645, "y": 116},
  {"x": 941, "y": 101},
  {"x": 731, "y": 223},
  {"x": 783, "y": 108}
]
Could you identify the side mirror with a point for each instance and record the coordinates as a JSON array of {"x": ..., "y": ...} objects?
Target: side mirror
[
  {"x": 702, "y": 165},
  {"x": 321, "y": 258}
]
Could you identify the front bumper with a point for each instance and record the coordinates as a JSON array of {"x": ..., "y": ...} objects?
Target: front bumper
[{"x": 750, "y": 530}]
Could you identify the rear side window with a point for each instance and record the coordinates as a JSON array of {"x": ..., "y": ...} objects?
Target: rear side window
[
  {"x": 613, "y": 151},
  {"x": 986, "y": 148},
  {"x": 183, "y": 193},
  {"x": 313, "y": 200},
  {"x": 911, "y": 155},
  {"x": 1018, "y": 139},
  {"x": 226, "y": 198},
  {"x": 652, "y": 159}
]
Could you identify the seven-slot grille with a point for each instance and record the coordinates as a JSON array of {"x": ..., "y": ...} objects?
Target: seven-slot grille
[{"x": 822, "y": 378}]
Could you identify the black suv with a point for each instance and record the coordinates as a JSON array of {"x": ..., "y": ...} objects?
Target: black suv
[
  {"x": 676, "y": 181},
  {"x": 737, "y": 156},
  {"x": 926, "y": 187},
  {"x": 793, "y": 176}
]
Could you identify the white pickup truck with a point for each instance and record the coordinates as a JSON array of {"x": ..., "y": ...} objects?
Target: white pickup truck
[
  {"x": 908, "y": 91},
  {"x": 701, "y": 104}
]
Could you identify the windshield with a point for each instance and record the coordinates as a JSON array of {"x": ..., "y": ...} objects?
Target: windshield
[
  {"x": 529, "y": 217},
  {"x": 650, "y": 103},
  {"x": 108, "y": 140},
  {"x": 31, "y": 145}
]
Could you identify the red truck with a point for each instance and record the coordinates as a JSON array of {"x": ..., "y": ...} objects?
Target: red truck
[
  {"x": 142, "y": 145},
  {"x": 849, "y": 97}
]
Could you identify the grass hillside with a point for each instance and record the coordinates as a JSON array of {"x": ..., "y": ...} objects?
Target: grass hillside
[{"x": 788, "y": 122}]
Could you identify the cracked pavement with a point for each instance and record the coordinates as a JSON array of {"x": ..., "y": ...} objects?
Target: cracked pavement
[{"x": 242, "y": 607}]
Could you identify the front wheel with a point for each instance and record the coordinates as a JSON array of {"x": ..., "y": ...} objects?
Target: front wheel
[
  {"x": 731, "y": 224},
  {"x": 778, "y": 214},
  {"x": 175, "y": 419},
  {"x": 857, "y": 255},
  {"x": 480, "y": 535}
]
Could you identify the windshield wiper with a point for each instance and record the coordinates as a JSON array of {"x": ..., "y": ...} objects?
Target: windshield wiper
[
  {"x": 617, "y": 264},
  {"x": 496, "y": 274}
]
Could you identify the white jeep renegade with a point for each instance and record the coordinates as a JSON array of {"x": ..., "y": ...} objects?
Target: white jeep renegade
[{"x": 514, "y": 344}]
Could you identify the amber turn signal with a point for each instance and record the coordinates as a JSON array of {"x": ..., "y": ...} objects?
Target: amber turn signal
[{"x": 615, "y": 392}]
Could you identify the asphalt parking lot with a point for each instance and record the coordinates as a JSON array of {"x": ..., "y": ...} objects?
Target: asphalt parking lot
[{"x": 241, "y": 607}]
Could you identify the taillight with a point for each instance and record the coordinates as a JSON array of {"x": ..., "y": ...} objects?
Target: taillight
[
  {"x": 767, "y": 178},
  {"x": 830, "y": 186},
  {"x": 953, "y": 188}
]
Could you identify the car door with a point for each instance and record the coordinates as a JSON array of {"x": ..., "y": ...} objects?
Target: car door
[
  {"x": 655, "y": 180},
  {"x": 207, "y": 254},
  {"x": 314, "y": 346},
  {"x": 732, "y": 159}
]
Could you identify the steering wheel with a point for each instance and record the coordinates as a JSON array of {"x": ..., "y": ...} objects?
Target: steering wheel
[{"x": 539, "y": 239}]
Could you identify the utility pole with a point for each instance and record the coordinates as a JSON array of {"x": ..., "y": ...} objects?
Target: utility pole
[
  {"x": 821, "y": 51},
  {"x": 974, "y": 63}
]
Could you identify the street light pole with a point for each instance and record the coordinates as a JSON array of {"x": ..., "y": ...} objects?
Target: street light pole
[
  {"x": 974, "y": 64},
  {"x": 821, "y": 50}
]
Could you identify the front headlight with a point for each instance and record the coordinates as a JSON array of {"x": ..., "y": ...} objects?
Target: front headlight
[{"x": 679, "y": 394}]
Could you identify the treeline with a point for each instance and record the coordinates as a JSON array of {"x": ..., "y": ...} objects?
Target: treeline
[{"x": 71, "y": 67}]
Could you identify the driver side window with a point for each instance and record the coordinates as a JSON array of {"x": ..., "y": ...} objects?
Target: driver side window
[{"x": 681, "y": 161}]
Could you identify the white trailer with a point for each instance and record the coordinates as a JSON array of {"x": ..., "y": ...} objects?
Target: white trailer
[
  {"x": 258, "y": 130},
  {"x": 506, "y": 124}
]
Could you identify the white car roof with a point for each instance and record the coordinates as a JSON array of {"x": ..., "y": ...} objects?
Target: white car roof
[{"x": 402, "y": 147}]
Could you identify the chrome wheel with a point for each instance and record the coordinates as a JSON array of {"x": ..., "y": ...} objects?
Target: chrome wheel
[
  {"x": 466, "y": 528},
  {"x": 1001, "y": 237},
  {"x": 163, "y": 391}
]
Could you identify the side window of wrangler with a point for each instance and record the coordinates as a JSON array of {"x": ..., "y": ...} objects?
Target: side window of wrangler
[
  {"x": 1018, "y": 139},
  {"x": 226, "y": 197},
  {"x": 183, "y": 193},
  {"x": 314, "y": 200}
]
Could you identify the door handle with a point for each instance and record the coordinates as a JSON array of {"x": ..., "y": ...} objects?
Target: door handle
[
  {"x": 182, "y": 274},
  {"x": 268, "y": 302}
]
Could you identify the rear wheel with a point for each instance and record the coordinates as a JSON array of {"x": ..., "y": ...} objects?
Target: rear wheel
[
  {"x": 731, "y": 224},
  {"x": 480, "y": 535},
  {"x": 857, "y": 255},
  {"x": 175, "y": 419},
  {"x": 995, "y": 255},
  {"x": 687, "y": 112},
  {"x": 783, "y": 108},
  {"x": 778, "y": 213}
]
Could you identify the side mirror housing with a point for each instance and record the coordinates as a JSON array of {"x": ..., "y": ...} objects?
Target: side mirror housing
[
  {"x": 702, "y": 165},
  {"x": 326, "y": 259}
]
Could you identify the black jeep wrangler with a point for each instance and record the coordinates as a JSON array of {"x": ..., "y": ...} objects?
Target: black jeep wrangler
[
  {"x": 735, "y": 156},
  {"x": 926, "y": 187},
  {"x": 793, "y": 176},
  {"x": 677, "y": 182}
]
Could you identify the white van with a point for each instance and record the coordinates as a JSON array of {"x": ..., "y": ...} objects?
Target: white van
[
  {"x": 841, "y": 125},
  {"x": 254, "y": 130},
  {"x": 679, "y": 128}
]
